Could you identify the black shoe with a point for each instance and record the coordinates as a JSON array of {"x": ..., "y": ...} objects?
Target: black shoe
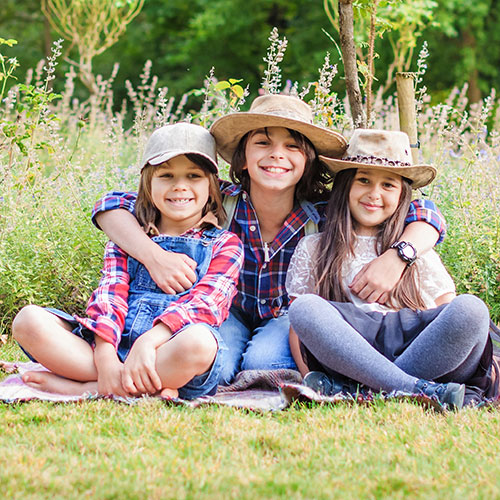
[
  {"x": 451, "y": 394},
  {"x": 328, "y": 386}
]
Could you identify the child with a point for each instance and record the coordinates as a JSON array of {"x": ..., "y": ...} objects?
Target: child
[
  {"x": 278, "y": 195},
  {"x": 424, "y": 332},
  {"x": 137, "y": 339}
]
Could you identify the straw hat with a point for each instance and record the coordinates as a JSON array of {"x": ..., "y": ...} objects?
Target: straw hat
[
  {"x": 384, "y": 150},
  {"x": 275, "y": 110},
  {"x": 178, "y": 139}
]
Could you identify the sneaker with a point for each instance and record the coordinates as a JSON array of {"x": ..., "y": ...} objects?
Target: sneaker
[
  {"x": 328, "y": 386},
  {"x": 451, "y": 394}
]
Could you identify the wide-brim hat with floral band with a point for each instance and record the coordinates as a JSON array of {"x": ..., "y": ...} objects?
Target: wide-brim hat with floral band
[
  {"x": 177, "y": 139},
  {"x": 275, "y": 110},
  {"x": 384, "y": 150}
]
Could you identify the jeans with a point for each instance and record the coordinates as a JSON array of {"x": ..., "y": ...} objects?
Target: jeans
[{"x": 254, "y": 345}]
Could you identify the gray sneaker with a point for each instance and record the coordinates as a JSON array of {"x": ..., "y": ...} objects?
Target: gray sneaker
[
  {"x": 328, "y": 386},
  {"x": 451, "y": 394}
]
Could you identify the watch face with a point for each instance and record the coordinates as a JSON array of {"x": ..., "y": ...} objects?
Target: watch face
[{"x": 408, "y": 252}]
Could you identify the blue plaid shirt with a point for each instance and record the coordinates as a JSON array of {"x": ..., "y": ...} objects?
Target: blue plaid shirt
[{"x": 261, "y": 287}]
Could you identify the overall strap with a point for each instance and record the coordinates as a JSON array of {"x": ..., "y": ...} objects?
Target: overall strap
[
  {"x": 311, "y": 226},
  {"x": 229, "y": 203}
]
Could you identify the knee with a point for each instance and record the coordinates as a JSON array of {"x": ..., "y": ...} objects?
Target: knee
[
  {"x": 199, "y": 348},
  {"x": 26, "y": 322},
  {"x": 472, "y": 314},
  {"x": 301, "y": 309},
  {"x": 472, "y": 307}
]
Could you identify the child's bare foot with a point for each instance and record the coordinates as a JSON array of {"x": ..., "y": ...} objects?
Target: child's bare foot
[
  {"x": 169, "y": 393},
  {"x": 50, "y": 382}
]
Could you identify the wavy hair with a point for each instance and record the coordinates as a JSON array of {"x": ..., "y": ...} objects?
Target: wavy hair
[{"x": 337, "y": 241}]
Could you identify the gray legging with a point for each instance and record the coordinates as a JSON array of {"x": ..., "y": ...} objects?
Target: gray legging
[{"x": 450, "y": 347}]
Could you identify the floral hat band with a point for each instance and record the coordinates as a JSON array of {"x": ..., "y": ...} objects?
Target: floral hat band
[
  {"x": 376, "y": 160},
  {"x": 383, "y": 150}
]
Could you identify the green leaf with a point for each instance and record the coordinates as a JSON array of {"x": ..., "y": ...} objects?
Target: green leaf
[
  {"x": 10, "y": 42},
  {"x": 222, "y": 85},
  {"x": 238, "y": 90},
  {"x": 232, "y": 81}
]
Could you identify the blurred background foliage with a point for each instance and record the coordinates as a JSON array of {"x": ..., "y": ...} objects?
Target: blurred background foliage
[{"x": 184, "y": 39}]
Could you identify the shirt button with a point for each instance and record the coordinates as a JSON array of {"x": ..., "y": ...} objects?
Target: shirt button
[
  {"x": 244, "y": 196},
  {"x": 263, "y": 301},
  {"x": 264, "y": 265},
  {"x": 252, "y": 228}
]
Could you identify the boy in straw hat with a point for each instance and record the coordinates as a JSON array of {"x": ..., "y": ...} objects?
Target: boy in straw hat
[
  {"x": 277, "y": 195},
  {"x": 424, "y": 339}
]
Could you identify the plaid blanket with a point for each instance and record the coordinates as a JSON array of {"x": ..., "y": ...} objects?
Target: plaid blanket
[{"x": 256, "y": 390}]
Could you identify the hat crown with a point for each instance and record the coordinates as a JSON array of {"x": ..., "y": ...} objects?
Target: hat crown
[
  {"x": 379, "y": 147},
  {"x": 179, "y": 139},
  {"x": 285, "y": 106}
]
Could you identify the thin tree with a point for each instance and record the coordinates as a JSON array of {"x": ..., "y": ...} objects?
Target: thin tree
[{"x": 91, "y": 26}]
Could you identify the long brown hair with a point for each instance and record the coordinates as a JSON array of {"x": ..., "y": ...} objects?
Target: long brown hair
[
  {"x": 149, "y": 216},
  {"x": 337, "y": 242},
  {"x": 314, "y": 183}
]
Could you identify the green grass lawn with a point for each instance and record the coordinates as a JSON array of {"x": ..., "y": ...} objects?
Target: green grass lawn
[{"x": 103, "y": 449}]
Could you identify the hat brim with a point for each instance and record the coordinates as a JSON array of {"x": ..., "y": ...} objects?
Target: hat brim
[
  {"x": 162, "y": 158},
  {"x": 229, "y": 130},
  {"x": 420, "y": 175}
]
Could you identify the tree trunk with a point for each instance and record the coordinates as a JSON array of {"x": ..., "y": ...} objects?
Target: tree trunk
[
  {"x": 346, "y": 31},
  {"x": 469, "y": 42}
]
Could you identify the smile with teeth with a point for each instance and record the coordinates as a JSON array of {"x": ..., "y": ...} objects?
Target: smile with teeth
[
  {"x": 275, "y": 170},
  {"x": 179, "y": 201}
]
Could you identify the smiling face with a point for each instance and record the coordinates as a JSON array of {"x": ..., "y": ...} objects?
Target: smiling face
[
  {"x": 274, "y": 161},
  {"x": 180, "y": 191},
  {"x": 373, "y": 198}
]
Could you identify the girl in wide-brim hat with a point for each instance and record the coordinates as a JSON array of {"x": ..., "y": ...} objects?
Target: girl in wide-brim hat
[{"x": 424, "y": 340}]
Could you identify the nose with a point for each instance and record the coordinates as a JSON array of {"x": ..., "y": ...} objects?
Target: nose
[
  {"x": 277, "y": 151},
  {"x": 180, "y": 184},
  {"x": 374, "y": 193}
]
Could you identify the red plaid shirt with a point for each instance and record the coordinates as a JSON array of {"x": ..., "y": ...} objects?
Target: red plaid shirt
[
  {"x": 261, "y": 288},
  {"x": 207, "y": 302}
]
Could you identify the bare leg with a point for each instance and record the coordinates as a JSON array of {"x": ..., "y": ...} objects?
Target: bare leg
[
  {"x": 50, "y": 382},
  {"x": 190, "y": 353},
  {"x": 50, "y": 341}
]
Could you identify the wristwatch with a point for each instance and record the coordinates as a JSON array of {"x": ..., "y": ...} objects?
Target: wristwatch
[{"x": 406, "y": 251}]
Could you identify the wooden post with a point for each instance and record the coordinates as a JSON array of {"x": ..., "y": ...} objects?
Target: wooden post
[{"x": 405, "y": 85}]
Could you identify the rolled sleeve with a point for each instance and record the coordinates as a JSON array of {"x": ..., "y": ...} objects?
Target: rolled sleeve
[
  {"x": 427, "y": 211},
  {"x": 114, "y": 201}
]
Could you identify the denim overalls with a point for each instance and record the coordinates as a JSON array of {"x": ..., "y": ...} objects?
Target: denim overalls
[{"x": 147, "y": 301}]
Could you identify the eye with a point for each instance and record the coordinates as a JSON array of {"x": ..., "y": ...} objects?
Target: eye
[
  {"x": 165, "y": 175},
  {"x": 294, "y": 146},
  {"x": 389, "y": 185},
  {"x": 194, "y": 175},
  {"x": 362, "y": 180}
]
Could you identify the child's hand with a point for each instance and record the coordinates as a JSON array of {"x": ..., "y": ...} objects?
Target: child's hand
[
  {"x": 378, "y": 278},
  {"x": 139, "y": 375},
  {"x": 172, "y": 272},
  {"x": 109, "y": 369},
  {"x": 109, "y": 379}
]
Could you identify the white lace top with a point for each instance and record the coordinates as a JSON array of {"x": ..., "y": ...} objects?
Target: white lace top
[{"x": 434, "y": 279}]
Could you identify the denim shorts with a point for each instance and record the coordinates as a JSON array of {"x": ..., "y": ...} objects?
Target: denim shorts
[{"x": 200, "y": 385}]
